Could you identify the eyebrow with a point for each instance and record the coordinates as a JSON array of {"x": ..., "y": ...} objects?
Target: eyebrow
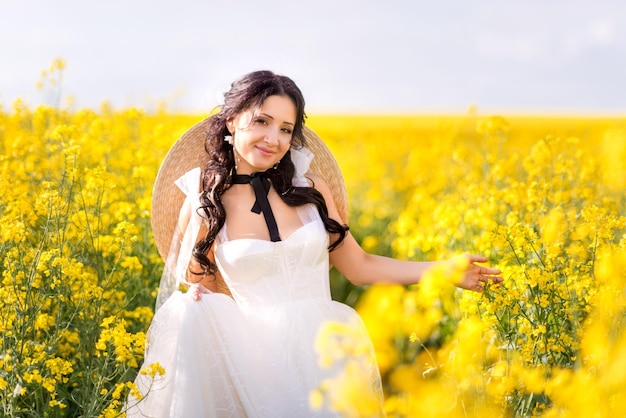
[{"x": 272, "y": 118}]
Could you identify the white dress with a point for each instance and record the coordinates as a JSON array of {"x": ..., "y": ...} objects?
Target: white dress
[{"x": 252, "y": 355}]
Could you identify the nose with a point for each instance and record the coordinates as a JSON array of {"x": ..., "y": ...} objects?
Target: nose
[{"x": 271, "y": 137}]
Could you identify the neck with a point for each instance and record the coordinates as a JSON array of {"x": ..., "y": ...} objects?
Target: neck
[
  {"x": 250, "y": 172},
  {"x": 261, "y": 186}
]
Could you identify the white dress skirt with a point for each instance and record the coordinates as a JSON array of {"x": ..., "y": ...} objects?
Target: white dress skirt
[{"x": 252, "y": 355}]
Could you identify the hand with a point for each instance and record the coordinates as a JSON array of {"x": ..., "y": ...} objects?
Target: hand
[
  {"x": 476, "y": 277},
  {"x": 196, "y": 290}
]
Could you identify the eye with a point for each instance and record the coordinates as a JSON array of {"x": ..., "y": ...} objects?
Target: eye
[
  {"x": 287, "y": 130},
  {"x": 260, "y": 121}
]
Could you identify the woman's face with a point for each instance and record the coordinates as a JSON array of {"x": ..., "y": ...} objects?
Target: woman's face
[{"x": 263, "y": 138}]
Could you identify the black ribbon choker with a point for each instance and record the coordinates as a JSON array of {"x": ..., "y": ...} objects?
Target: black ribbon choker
[{"x": 261, "y": 185}]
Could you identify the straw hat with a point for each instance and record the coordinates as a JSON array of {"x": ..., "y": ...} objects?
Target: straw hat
[{"x": 188, "y": 152}]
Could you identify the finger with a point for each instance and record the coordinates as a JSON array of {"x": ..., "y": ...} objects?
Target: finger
[
  {"x": 493, "y": 279},
  {"x": 493, "y": 275},
  {"x": 488, "y": 271},
  {"x": 496, "y": 279},
  {"x": 491, "y": 271},
  {"x": 196, "y": 292},
  {"x": 473, "y": 258}
]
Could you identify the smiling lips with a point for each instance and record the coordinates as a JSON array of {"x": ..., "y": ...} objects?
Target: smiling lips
[{"x": 265, "y": 151}]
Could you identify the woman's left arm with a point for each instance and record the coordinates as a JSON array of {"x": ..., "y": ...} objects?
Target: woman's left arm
[{"x": 362, "y": 268}]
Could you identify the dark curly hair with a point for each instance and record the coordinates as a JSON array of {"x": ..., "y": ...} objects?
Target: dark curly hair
[{"x": 249, "y": 92}]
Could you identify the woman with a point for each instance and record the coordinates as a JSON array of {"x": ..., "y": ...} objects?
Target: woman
[{"x": 256, "y": 234}]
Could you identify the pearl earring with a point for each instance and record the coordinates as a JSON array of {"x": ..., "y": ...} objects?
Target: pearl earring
[{"x": 229, "y": 139}]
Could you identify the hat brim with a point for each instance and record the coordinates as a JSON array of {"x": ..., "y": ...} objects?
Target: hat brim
[{"x": 188, "y": 152}]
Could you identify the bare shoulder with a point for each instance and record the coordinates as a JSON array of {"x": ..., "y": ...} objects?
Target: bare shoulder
[
  {"x": 318, "y": 182},
  {"x": 321, "y": 186}
]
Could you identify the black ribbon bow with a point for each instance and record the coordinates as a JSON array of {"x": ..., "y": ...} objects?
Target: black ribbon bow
[{"x": 261, "y": 185}]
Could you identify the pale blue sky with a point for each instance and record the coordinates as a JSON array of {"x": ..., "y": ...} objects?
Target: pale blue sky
[{"x": 405, "y": 56}]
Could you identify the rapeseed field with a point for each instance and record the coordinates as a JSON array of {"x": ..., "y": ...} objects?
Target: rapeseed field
[{"x": 542, "y": 197}]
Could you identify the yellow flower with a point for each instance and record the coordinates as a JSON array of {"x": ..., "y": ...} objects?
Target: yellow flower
[
  {"x": 117, "y": 392},
  {"x": 34, "y": 377},
  {"x": 44, "y": 321},
  {"x": 153, "y": 370},
  {"x": 55, "y": 403},
  {"x": 316, "y": 400},
  {"x": 49, "y": 384},
  {"x": 554, "y": 225}
]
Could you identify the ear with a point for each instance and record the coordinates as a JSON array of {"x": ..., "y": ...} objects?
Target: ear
[{"x": 230, "y": 125}]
